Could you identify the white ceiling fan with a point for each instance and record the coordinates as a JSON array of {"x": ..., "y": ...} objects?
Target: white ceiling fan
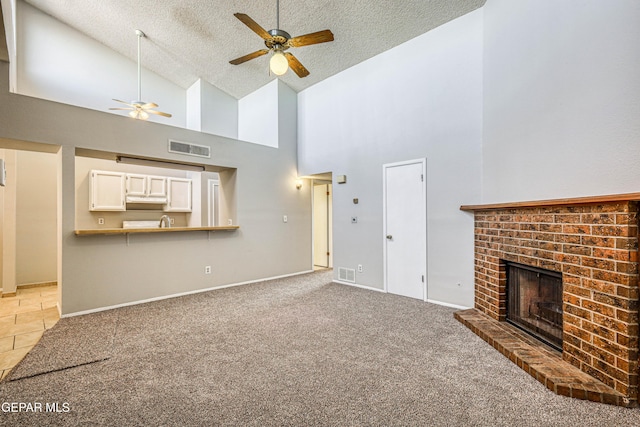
[{"x": 140, "y": 109}]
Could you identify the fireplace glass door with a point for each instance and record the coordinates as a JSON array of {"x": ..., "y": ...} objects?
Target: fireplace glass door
[{"x": 534, "y": 302}]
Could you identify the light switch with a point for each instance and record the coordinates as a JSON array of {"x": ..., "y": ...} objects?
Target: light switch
[{"x": 284, "y": 218}]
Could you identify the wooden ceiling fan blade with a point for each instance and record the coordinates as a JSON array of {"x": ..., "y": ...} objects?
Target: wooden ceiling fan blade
[
  {"x": 120, "y": 108},
  {"x": 248, "y": 57},
  {"x": 149, "y": 105},
  {"x": 296, "y": 65},
  {"x": 311, "y": 38},
  {"x": 246, "y": 20},
  {"x": 125, "y": 103},
  {"x": 159, "y": 113}
]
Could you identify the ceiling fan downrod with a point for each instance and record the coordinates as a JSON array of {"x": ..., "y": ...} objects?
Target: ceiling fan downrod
[{"x": 140, "y": 34}]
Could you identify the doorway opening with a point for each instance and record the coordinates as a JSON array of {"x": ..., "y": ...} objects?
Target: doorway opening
[
  {"x": 322, "y": 221},
  {"x": 30, "y": 244},
  {"x": 30, "y": 225}
]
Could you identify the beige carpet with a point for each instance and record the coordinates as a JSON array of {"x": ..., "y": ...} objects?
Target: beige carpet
[
  {"x": 299, "y": 352},
  {"x": 74, "y": 341}
]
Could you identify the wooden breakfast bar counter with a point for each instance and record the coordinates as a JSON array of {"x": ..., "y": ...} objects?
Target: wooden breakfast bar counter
[{"x": 112, "y": 231}]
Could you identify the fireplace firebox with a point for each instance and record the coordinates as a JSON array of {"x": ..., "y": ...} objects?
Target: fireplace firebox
[{"x": 534, "y": 302}]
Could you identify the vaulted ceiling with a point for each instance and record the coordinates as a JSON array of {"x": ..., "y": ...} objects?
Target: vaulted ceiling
[{"x": 191, "y": 39}]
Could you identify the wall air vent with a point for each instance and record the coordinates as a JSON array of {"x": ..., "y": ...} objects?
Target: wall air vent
[
  {"x": 189, "y": 149},
  {"x": 347, "y": 274}
]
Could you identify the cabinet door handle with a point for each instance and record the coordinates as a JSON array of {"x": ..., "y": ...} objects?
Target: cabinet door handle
[{"x": 389, "y": 237}]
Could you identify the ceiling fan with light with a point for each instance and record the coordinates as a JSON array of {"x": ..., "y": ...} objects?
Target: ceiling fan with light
[
  {"x": 140, "y": 109},
  {"x": 277, "y": 42}
]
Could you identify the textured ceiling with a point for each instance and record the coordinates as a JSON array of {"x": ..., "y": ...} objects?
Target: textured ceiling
[{"x": 191, "y": 39}]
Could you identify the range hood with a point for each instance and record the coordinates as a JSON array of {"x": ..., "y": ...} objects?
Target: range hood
[{"x": 147, "y": 199}]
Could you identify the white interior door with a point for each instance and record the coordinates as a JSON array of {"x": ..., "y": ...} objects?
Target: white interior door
[
  {"x": 321, "y": 225},
  {"x": 405, "y": 236}
]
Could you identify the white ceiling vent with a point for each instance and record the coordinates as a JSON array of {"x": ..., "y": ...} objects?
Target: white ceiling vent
[
  {"x": 190, "y": 149},
  {"x": 347, "y": 274}
]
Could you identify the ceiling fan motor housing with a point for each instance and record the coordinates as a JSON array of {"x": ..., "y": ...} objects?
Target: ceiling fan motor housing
[{"x": 278, "y": 38}]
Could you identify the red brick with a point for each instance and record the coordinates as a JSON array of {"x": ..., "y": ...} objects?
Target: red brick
[
  {"x": 604, "y": 242},
  {"x": 576, "y": 229},
  {"x": 605, "y": 310},
  {"x": 598, "y": 218},
  {"x": 601, "y": 264},
  {"x": 572, "y": 218}
]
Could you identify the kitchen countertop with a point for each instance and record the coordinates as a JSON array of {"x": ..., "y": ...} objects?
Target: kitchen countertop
[{"x": 98, "y": 231}]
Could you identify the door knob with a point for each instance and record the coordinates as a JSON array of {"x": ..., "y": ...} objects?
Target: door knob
[{"x": 389, "y": 237}]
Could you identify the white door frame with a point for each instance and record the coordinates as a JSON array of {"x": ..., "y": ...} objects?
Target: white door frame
[
  {"x": 422, "y": 161},
  {"x": 214, "y": 203},
  {"x": 329, "y": 221}
]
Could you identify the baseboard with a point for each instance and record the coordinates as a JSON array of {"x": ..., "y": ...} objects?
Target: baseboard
[
  {"x": 197, "y": 291},
  {"x": 37, "y": 285},
  {"x": 9, "y": 294},
  {"x": 446, "y": 304},
  {"x": 355, "y": 285}
]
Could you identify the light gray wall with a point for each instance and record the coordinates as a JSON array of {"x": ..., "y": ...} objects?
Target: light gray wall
[
  {"x": 36, "y": 210},
  {"x": 422, "y": 99},
  {"x": 561, "y": 91},
  {"x": 99, "y": 271}
]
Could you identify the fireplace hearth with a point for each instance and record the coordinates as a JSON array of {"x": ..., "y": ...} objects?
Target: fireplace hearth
[{"x": 534, "y": 302}]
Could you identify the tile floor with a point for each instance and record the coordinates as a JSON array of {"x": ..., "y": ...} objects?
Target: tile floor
[{"x": 23, "y": 319}]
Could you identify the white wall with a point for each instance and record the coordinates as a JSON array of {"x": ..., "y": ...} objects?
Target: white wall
[
  {"x": 561, "y": 91},
  {"x": 420, "y": 99},
  {"x": 211, "y": 110},
  {"x": 258, "y": 116},
  {"x": 58, "y": 63}
]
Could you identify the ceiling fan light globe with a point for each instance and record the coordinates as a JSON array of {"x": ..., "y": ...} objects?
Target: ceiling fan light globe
[
  {"x": 133, "y": 114},
  {"x": 278, "y": 63},
  {"x": 143, "y": 115}
]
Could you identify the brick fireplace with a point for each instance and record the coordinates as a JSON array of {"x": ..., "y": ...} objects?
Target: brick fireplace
[{"x": 593, "y": 244}]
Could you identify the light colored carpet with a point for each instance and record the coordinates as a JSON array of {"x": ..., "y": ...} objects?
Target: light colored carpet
[
  {"x": 74, "y": 341},
  {"x": 302, "y": 352}
]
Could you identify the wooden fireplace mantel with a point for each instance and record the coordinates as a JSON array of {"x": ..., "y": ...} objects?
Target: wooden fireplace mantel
[{"x": 555, "y": 202}]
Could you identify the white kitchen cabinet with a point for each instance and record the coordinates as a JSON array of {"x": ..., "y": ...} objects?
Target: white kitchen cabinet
[
  {"x": 157, "y": 186},
  {"x": 136, "y": 185},
  {"x": 179, "y": 195},
  {"x": 146, "y": 185},
  {"x": 107, "y": 191}
]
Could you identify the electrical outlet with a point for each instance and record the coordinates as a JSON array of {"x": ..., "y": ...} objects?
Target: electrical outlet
[
  {"x": 207, "y": 269},
  {"x": 230, "y": 222},
  {"x": 360, "y": 269},
  {"x": 100, "y": 221},
  {"x": 172, "y": 221}
]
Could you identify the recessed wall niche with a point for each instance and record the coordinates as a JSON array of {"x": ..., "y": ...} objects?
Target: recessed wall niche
[{"x": 212, "y": 192}]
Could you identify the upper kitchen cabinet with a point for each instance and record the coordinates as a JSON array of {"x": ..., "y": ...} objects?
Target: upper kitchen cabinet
[
  {"x": 146, "y": 188},
  {"x": 179, "y": 195},
  {"x": 107, "y": 191}
]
